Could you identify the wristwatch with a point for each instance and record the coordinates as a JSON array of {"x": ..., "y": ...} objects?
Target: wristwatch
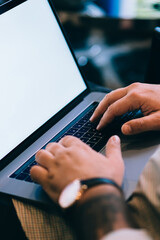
[{"x": 74, "y": 191}]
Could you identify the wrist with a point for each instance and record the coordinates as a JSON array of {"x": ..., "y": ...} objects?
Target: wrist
[
  {"x": 101, "y": 209},
  {"x": 73, "y": 192},
  {"x": 98, "y": 191}
]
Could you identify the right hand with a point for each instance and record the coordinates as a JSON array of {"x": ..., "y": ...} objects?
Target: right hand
[{"x": 145, "y": 97}]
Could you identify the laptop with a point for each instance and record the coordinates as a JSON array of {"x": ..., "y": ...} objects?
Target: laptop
[{"x": 44, "y": 96}]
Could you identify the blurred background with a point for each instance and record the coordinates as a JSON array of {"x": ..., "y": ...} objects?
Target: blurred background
[{"x": 111, "y": 38}]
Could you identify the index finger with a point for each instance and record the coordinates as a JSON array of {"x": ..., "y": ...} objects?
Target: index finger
[
  {"x": 118, "y": 108},
  {"x": 109, "y": 99}
]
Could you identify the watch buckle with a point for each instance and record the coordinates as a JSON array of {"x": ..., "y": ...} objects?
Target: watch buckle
[{"x": 84, "y": 187}]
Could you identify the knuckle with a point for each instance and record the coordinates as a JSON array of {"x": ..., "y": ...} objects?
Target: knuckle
[
  {"x": 136, "y": 90},
  {"x": 51, "y": 145},
  {"x": 134, "y": 94},
  {"x": 67, "y": 139},
  {"x": 68, "y": 152},
  {"x": 108, "y": 98},
  {"x": 112, "y": 110},
  {"x": 39, "y": 153},
  {"x": 135, "y": 85}
]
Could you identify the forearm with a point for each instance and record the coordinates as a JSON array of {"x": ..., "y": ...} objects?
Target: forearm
[{"x": 101, "y": 212}]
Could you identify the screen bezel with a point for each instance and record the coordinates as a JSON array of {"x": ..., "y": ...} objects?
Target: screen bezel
[{"x": 46, "y": 126}]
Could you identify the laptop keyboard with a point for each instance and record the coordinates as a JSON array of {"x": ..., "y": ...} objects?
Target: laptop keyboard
[{"x": 83, "y": 129}]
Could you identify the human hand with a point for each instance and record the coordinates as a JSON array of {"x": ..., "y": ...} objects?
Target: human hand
[
  {"x": 63, "y": 162},
  {"x": 145, "y": 97}
]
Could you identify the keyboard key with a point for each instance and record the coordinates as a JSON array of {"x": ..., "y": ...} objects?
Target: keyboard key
[
  {"x": 22, "y": 176},
  {"x": 71, "y": 131},
  {"x": 78, "y": 125},
  {"x": 88, "y": 115},
  {"x": 83, "y": 139},
  {"x": 83, "y": 129},
  {"x": 79, "y": 134},
  {"x": 98, "y": 134},
  {"x": 83, "y": 121},
  {"x": 91, "y": 144},
  {"x": 88, "y": 125},
  {"x": 28, "y": 179},
  {"x": 33, "y": 164},
  {"x": 95, "y": 139},
  {"x": 88, "y": 135},
  {"x": 98, "y": 146},
  {"x": 58, "y": 139},
  {"x": 92, "y": 130},
  {"x": 67, "y": 134},
  {"x": 27, "y": 170}
]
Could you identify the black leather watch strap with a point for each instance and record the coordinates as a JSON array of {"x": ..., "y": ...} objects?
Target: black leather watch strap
[{"x": 99, "y": 181}]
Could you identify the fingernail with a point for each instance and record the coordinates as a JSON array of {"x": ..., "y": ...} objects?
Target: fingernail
[
  {"x": 98, "y": 127},
  {"x": 126, "y": 129},
  {"x": 38, "y": 155},
  {"x": 92, "y": 117},
  {"x": 115, "y": 139}
]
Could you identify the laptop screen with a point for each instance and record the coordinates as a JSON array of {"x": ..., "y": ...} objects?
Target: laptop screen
[{"x": 38, "y": 74}]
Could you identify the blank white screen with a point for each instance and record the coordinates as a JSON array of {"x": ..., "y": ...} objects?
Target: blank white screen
[{"x": 38, "y": 74}]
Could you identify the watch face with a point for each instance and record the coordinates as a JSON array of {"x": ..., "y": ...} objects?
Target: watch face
[{"x": 69, "y": 194}]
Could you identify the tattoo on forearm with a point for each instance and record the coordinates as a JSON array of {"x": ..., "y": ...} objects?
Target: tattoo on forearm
[{"x": 100, "y": 216}]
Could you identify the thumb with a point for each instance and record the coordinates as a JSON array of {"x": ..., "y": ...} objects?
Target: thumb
[
  {"x": 147, "y": 123},
  {"x": 113, "y": 148},
  {"x": 114, "y": 155}
]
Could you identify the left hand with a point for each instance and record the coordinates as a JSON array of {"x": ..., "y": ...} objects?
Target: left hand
[{"x": 63, "y": 162}]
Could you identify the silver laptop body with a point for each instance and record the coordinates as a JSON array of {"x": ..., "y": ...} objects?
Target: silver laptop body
[{"x": 42, "y": 91}]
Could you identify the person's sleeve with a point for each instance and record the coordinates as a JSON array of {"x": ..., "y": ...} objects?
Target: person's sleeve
[
  {"x": 148, "y": 186},
  {"x": 128, "y": 234},
  {"x": 149, "y": 182},
  {"x": 144, "y": 203}
]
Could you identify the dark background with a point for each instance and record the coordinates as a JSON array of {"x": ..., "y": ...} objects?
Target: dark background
[{"x": 111, "y": 50}]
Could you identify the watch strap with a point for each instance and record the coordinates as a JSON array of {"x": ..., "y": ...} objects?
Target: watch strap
[
  {"x": 79, "y": 187},
  {"x": 99, "y": 181}
]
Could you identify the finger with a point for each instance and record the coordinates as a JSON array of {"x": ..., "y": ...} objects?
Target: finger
[
  {"x": 113, "y": 148},
  {"x": 118, "y": 108},
  {"x": 147, "y": 123},
  {"x": 69, "y": 141},
  {"x": 114, "y": 154},
  {"x": 44, "y": 158},
  {"x": 54, "y": 148},
  {"x": 106, "y": 102},
  {"x": 39, "y": 174}
]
